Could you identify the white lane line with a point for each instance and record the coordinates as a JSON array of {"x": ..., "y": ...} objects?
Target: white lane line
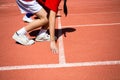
[
  {"x": 8, "y": 5},
  {"x": 92, "y": 25},
  {"x": 94, "y": 13},
  {"x": 42, "y": 66},
  {"x": 61, "y": 44}
]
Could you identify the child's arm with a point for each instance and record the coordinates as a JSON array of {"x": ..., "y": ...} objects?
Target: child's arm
[{"x": 53, "y": 45}]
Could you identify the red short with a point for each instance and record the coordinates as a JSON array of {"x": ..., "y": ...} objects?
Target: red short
[{"x": 51, "y": 4}]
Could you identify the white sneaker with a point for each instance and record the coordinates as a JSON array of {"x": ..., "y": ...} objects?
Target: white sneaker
[
  {"x": 22, "y": 39},
  {"x": 44, "y": 37},
  {"x": 26, "y": 19}
]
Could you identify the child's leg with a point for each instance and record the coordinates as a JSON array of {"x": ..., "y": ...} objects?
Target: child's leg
[
  {"x": 20, "y": 35},
  {"x": 42, "y": 15},
  {"x": 34, "y": 7}
]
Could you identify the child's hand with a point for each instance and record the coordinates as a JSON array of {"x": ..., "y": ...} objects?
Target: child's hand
[{"x": 53, "y": 47}]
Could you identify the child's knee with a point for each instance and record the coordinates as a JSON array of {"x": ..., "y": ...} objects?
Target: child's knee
[
  {"x": 42, "y": 16},
  {"x": 46, "y": 21}
]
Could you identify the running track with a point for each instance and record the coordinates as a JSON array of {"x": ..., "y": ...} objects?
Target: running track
[{"x": 88, "y": 41}]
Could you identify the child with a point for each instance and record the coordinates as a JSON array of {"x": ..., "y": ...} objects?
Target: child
[
  {"x": 52, "y": 5},
  {"x": 31, "y": 6}
]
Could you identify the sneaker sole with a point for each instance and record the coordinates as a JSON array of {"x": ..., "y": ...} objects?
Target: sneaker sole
[{"x": 41, "y": 40}]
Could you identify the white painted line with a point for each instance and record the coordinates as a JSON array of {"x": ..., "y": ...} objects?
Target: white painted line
[
  {"x": 11, "y": 4},
  {"x": 8, "y": 5},
  {"x": 82, "y": 64},
  {"x": 95, "y": 13},
  {"x": 61, "y": 44},
  {"x": 92, "y": 25}
]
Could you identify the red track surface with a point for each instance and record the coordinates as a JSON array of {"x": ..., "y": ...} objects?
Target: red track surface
[{"x": 90, "y": 33}]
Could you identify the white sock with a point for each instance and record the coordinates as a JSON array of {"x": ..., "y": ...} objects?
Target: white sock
[
  {"x": 42, "y": 31},
  {"x": 22, "y": 31}
]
